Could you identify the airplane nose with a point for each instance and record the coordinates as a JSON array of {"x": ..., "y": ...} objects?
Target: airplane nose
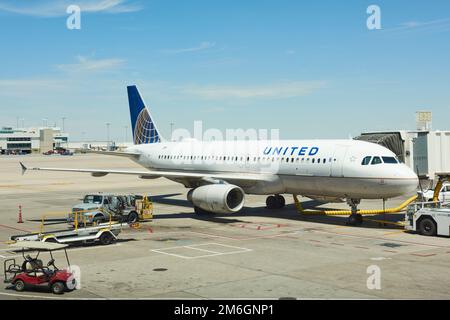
[{"x": 409, "y": 177}]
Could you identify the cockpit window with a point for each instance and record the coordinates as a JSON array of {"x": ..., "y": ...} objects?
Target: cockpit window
[
  {"x": 366, "y": 161},
  {"x": 376, "y": 160},
  {"x": 389, "y": 160}
]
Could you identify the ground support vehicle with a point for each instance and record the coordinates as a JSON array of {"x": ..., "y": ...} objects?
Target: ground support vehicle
[{"x": 32, "y": 273}]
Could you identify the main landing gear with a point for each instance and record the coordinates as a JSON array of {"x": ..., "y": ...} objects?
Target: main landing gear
[
  {"x": 275, "y": 202},
  {"x": 355, "y": 218}
]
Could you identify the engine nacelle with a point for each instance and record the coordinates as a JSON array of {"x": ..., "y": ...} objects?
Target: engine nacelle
[{"x": 218, "y": 198}]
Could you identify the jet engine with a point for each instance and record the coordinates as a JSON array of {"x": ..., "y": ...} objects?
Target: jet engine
[{"x": 217, "y": 198}]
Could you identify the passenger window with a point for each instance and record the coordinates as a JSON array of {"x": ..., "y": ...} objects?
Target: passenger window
[
  {"x": 376, "y": 160},
  {"x": 313, "y": 160},
  {"x": 366, "y": 161}
]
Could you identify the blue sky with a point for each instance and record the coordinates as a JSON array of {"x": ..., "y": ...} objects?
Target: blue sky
[{"x": 310, "y": 68}]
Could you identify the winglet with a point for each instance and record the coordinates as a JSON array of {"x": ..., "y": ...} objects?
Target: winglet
[{"x": 24, "y": 169}]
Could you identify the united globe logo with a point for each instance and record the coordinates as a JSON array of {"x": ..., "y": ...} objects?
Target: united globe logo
[{"x": 145, "y": 131}]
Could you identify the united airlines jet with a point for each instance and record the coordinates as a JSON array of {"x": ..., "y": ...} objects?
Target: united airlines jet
[{"x": 220, "y": 173}]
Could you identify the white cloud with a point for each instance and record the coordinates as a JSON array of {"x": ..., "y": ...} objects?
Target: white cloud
[
  {"x": 202, "y": 46},
  {"x": 432, "y": 25},
  {"x": 276, "y": 90},
  {"x": 52, "y": 8},
  {"x": 92, "y": 65}
]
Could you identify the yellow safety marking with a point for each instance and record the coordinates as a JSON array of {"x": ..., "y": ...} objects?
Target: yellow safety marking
[
  {"x": 387, "y": 222},
  {"x": 393, "y": 232}
]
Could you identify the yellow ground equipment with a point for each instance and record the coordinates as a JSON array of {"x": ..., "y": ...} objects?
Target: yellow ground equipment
[
  {"x": 442, "y": 177},
  {"x": 348, "y": 212},
  {"x": 144, "y": 209}
]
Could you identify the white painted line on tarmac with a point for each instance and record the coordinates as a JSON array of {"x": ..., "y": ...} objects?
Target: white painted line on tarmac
[
  {"x": 68, "y": 250},
  {"x": 193, "y": 247},
  {"x": 44, "y": 297}
]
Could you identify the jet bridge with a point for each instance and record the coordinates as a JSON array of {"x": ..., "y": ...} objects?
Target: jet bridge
[{"x": 391, "y": 140}]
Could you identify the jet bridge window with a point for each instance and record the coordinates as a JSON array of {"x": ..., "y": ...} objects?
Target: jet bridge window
[
  {"x": 376, "y": 160},
  {"x": 389, "y": 160},
  {"x": 366, "y": 161}
]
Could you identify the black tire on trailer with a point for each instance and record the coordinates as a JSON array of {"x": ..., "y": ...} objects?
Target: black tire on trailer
[
  {"x": 133, "y": 217},
  {"x": 427, "y": 227},
  {"x": 106, "y": 238},
  {"x": 51, "y": 240},
  {"x": 19, "y": 285},
  {"x": 58, "y": 287}
]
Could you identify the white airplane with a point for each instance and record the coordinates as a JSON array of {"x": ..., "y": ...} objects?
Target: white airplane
[{"x": 220, "y": 173}]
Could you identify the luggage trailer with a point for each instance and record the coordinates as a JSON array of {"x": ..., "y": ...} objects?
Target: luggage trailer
[{"x": 103, "y": 233}]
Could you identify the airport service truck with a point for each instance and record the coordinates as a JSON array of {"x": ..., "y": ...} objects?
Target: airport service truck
[
  {"x": 444, "y": 193},
  {"x": 100, "y": 208},
  {"x": 428, "y": 218}
]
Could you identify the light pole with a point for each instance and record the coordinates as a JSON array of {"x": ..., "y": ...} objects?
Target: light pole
[
  {"x": 107, "y": 135},
  {"x": 171, "y": 131},
  {"x": 45, "y": 122},
  {"x": 63, "y": 119}
]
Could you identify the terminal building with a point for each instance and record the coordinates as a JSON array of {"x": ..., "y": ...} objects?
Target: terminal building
[
  {"x": 425, "y": 151},
  {"x": 31, "y": 140}
]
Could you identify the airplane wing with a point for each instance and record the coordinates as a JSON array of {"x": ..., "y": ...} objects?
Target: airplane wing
[
  {"x": 113, "y": 153},
  {"x": 148, "y": 174}
]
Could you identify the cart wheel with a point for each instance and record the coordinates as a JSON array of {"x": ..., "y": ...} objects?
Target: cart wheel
[
  {"x": 19, "y": 285},
  {"x": 133, "y": 217},
  {"x": 58, "y": 287},
  {"x": 106, "y": 238},
  {"x": 427, "y": 227}
]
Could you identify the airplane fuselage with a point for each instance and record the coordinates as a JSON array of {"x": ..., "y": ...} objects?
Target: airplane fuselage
[{"x": 320, "y": 169}]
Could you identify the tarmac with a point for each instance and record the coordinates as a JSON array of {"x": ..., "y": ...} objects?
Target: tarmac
[{"x": 257, "y": 253}]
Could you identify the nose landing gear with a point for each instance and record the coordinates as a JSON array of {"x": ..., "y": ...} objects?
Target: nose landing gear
[
  {"x": 275, "y": 202},
  {"x": 355, "y": 218}
]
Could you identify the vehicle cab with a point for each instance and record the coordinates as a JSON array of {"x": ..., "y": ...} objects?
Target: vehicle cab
[
  {"x": 444, "y": 193},
  {"x": 92, "y": 209}
]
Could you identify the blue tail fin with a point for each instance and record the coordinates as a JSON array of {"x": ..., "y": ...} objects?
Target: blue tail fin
[{"x": 144, "y": 129}]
